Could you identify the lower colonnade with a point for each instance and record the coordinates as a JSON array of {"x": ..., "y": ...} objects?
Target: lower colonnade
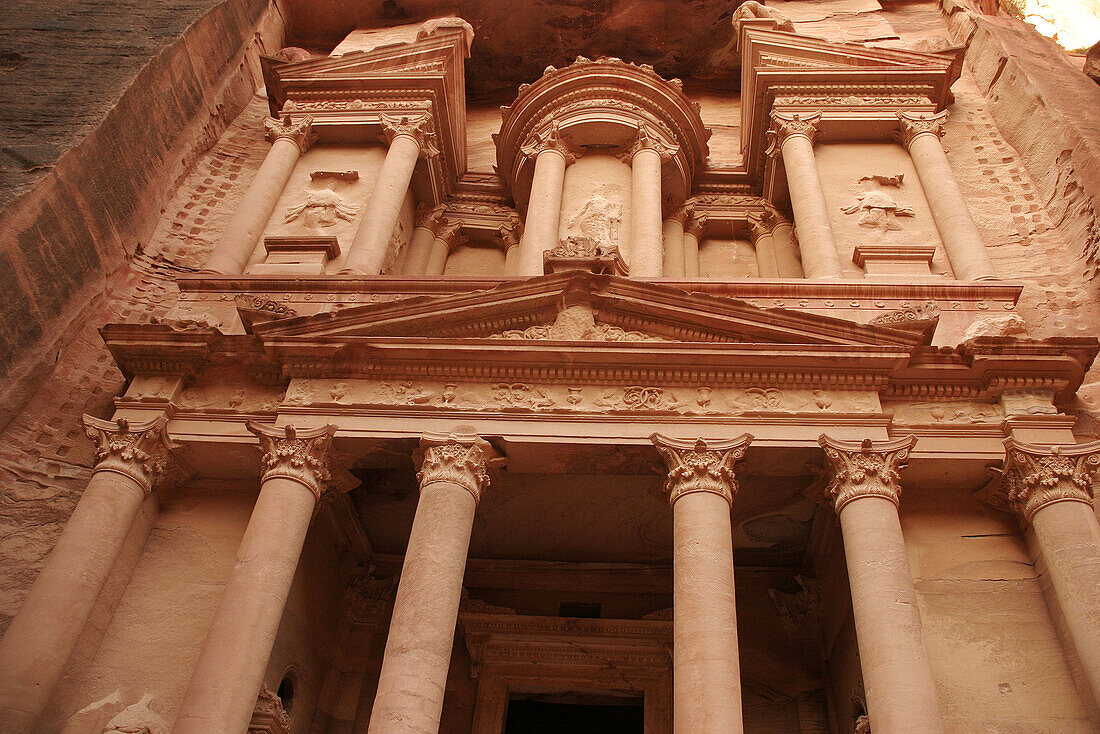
[{"x": 1048, "y": 486}]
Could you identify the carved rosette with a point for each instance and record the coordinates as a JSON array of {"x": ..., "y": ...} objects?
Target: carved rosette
[
  {"x": 647, "y": 140},
  {"x": 552, "y": 139},
  {"x": 464, "y": 460},
  {"x": 1036, "y": 476},
  {"x": 300, "y": 455},
  {"x": 786, "y": 126},
  {"x": 910, "y": 126},
  {"x": 700, "y": 466},
  {"x": 865, "y": 469},
  {"x": 300, "y": 133},
  {"x": 141, "y": 451},
  {"x": 417, "y": 127}
]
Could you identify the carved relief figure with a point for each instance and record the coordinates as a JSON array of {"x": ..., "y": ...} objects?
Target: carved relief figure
[
  {"x": 878, "y": 210},
  {"x": 322, "y": 206},
  {"x": 598, "y": 219}
]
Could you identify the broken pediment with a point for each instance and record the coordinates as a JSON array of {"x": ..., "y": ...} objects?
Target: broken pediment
[{"x": 584, "y": 307}]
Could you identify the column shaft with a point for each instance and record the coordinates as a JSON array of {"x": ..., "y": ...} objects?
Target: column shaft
[
  {"x": 237, "y": 243},
  {"x": 897, "y": 676},
  {"x": 646, "y": 246},
  {"x": 961, "y": 239},
  {"x": 674, "y": 266},
  {"x": 41, "y": 637},
  {"x": 705, "y": 662},
  {"x": 540, "y": 228},
  {"x": 511, "y": 260},
  {"x": 811, "y": 215},
  {"x": 231, "y": 667},
  {"x": 787, "y": 261},
  {"x": 764, "y": 243},
  {"x": 419, "y": 251},
  {"x": 1068, "y": 537},
  {"x": 437, "y": 261},
  {"x": 372, "y": 239},
  {"x": 693, "y": 231}
]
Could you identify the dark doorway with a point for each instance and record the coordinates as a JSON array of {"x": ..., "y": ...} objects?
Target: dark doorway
[{"x": 531, "y": 716}]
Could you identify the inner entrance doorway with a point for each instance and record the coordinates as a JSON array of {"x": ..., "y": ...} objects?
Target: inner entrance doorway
[{"x": 579, "y": 716}]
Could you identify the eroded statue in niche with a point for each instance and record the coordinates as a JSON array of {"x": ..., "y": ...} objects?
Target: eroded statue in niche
[
  {"x": 878, "y": 210},
  {"x": 322, "y": 206},
  {"x": 598, "y": 219}
]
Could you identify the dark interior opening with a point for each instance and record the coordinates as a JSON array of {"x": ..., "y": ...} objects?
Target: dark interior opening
[
  {"x": 582, "y": 610},
  {"x": 529, "y": 716}
]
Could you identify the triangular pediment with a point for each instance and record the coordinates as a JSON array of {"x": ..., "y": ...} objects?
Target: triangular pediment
[{"x": 584, "y": 308}]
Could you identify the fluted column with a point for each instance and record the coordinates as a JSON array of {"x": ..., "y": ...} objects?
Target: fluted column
[
  {"x": 865, "y": 489},
  {"x": 693, "y": 231},
  {"x": 964, "y": 245},
  {"x": 646, "y": 154},
  {"x": 1050, "y": 487},
  {"x": 761, "y": 227},
  {"x": 131, "y": 458},
  {"x": 674, "y": 265},
  {"x": 540, "y": 227},
  {"x": 419, "y": 250},
  {"x": 447, "y": 237},
  {"x": 795, "y": 136},
  {"x": 453, "y": 474},
  {"x": 509, "y": 238},
  {"x": 227, "y": 677},
  {"x": 289, "y": 140},
  {"x": 409, "y": 137},
  {"x": 706, "y": 671}
]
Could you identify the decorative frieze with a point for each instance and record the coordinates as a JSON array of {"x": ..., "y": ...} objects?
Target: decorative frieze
[
  {"x": 1036, "y": 476},
  {"x": 301, "y": 455},
  {"x": 141, "y": 451},
  {"x": 700, "y": 465},
  {"x": 300, "y": 133},
  {"x": 863, "y": 469},
  {"x": 464, "y": 460}
]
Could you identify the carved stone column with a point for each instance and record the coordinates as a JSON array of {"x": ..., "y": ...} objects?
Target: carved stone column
[
  {"x": 447, "y": 237},
  {"x": 230, "y": 670},
  {"x": 693, "y": 230},
  {"x": 674, "y": 265},
  {"x": 1050, "y": 487},
  {"x": 509, "y": 238},
  {"x": 964, "y": 245},
  {"x": 454, "y": 471},
  {"x": 705, "y": 666},
  {"x": 419, "y": 250},
  {"x": 761, "y": 227},
  {"x": 787, "y": 259},
  {"x": 409, "y": 138},
  {"x": 289, "y": 140},
  {"x": 540, "y": 228},
  {"x": 865, "y": 489},
  {"x": 131, "y": 458},
  {"x": 646, "y": 155},
  {"x": 795, "y": 138}
]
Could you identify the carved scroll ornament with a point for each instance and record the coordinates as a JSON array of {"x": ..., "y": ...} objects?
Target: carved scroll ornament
[
  {"x": 415, "y": 126},
  {"x": 141, "y": 451},
  {"x": 463, "y": 460},
  {"x": 866, "y": 469},
  {"x": 300, "y": 133},
  {"x": 913, "y": 125},
  {"x": 700, "y": 466},
  {"x": 300, "y": 455},
  {"x": 1036, "y": 476},
  {"x": 552, "y": 139},
  {"x": 786, "y": 126}
]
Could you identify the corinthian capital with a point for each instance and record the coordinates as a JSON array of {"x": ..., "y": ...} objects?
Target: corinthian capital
[
  {"x": 682, "y": 215},
  {"x": 461, "y": 459},
  {"x": 786, "y": 126},
  {"x": 696, "y": 225},
  {"x": 417, "y": 127},
  {"x": 865, "y": 469},
  {"x": 140, "y": 451},
  {"x": 1036, "y": 476},
  {"x": 647, "y": 140},
  {"x": 300, "y": 133},
  {"x": 429, "y": 217},
  {"x": 913, "y": 125},
  {"x": 550, "y": 140},
  {"x": 700, "y": 465},
  {"x": 300, "y": 455}
]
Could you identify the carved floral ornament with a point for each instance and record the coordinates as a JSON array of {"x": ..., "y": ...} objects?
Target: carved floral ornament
[
  {"x": 550, "y": 139},
  {"x": 912, "y": 126},
  {"x": 141, "y": 451},
  {"x": 269, "y": 716},
  {"x": 700, "y": 465},
  {"x": 865, "y": 469},
  {"x": 786, "y": 126},
  {"x": 1035, "y": 476},
  {"x": 415, "y": 126},
  {"x": 461, "y": 459},
  {"x": 300, "y": 455},
  {"x": 300, "y": 133},
  {"x": 646, "y": 139}
]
